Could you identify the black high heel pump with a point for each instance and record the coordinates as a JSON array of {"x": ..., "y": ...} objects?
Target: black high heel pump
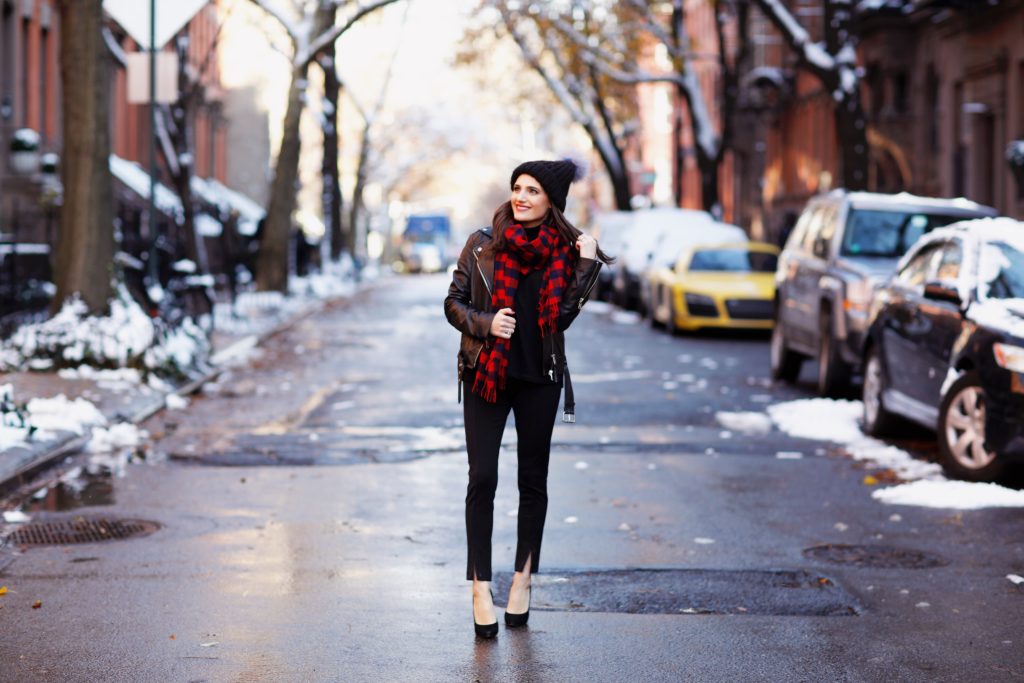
[
  {"x": 485, "y": 630},
  {"x": 515, "y": 620}
]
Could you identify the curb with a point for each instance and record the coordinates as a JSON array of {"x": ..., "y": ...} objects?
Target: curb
[{"x": 73, "y": 443}]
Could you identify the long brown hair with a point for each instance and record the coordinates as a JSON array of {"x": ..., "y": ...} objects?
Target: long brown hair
[{"x": 566, "y": 231}]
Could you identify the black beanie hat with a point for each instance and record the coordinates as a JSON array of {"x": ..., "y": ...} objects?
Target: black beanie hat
[{"x": 553, "y": 176}]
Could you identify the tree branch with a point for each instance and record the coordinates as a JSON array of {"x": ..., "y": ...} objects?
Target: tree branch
[
  {"x": 290, "y": 27},
  {"x": 310, "y": 52}
]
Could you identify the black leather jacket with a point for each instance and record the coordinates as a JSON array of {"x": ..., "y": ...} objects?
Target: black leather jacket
[{"x": 468, "y": 304}]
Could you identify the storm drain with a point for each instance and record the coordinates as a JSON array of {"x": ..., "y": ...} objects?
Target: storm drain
[
  {"x": 80, "y": 530},
  {"x": 688, "y": 591},
  {"x": 874, "y": 556}
]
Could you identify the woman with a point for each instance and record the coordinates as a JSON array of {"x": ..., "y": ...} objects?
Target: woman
[{"x": 515, "y": 290}]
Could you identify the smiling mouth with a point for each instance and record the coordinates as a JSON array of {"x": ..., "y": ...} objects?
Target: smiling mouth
[{"x": 521, "y": 207}]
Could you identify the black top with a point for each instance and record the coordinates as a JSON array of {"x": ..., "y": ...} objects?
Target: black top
[{"x": 525, "y": 359}]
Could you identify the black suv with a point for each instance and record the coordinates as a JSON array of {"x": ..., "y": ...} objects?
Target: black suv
[
  {"x": 945, "y": 347},
  {"x": 844, "y": 244}
]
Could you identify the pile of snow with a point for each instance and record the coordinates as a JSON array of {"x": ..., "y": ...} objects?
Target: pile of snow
[
  {"x": 117, "y": 437},
  {"x": 61, "y": 414},
  {"x": 745, "y": 422},
  {"x": 839, "y": 421},
  {"x": 959, "y": 495},
  {"x": 125, "y": 338}
]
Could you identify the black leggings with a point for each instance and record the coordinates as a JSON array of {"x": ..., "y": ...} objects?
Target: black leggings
[{"x": 535, "y": 407}]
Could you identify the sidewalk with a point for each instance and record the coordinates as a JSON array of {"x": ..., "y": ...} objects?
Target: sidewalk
[{"x": 125, "y": 401}]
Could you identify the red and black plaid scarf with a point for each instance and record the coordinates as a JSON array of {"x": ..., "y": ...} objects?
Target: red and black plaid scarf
[{"x": 523, "y": 255}]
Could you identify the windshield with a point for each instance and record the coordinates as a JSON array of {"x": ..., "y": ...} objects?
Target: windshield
[
  {"x": 1001, "y": 272},
  {"x": 888, "y": 234},
  {"x": 733, "y": 261}
]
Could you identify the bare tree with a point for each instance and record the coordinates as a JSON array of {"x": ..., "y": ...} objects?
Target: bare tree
[
  {"x": 834, "y": 63},
  {"x": 601, "y": 107},
  {"x": 85, "y": 250},
  {"x": 316, "y": 28},
  {"x": 370, "y": 117},
  {"x": 331, "y": 197},
  {"x": 612, "y": 50}
]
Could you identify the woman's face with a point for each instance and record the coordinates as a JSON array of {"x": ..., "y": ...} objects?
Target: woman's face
[{"x": 530, "y": 202}]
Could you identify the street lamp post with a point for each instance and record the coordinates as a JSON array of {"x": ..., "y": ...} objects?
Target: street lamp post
[{"x": 154, "y": 272}]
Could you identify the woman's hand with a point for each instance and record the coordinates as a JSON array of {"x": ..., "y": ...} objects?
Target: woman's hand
[
  {"x": 587, "y": 246},
  {"x": 504, "y": 323}
]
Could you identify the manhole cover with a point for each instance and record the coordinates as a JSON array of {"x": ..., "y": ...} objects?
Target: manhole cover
[
  {"x": 878, "y": 556},
  {"x": 80, "y": 530}
]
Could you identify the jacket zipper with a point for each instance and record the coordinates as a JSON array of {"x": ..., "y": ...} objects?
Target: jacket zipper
[
  {"x": 590, "y": 288},
  {"x": 481, "y": 271}
]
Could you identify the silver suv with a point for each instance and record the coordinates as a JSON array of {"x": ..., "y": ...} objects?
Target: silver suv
[{"x": 843, "y": 244}]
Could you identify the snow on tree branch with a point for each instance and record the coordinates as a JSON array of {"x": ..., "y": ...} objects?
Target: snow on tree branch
[
  {"x": 293, "y": 29},
  {"x": 314, "y": 46}
]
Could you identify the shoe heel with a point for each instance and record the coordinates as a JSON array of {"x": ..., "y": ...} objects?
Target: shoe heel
[
  {"x": 485, "y": 631},
  {"x": 517, "y": 620}
]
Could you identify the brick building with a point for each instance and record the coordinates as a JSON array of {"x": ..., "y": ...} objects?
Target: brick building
[{"x": 30, "y": 112}]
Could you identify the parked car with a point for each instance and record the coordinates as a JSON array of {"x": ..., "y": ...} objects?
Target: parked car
[
  {"x": 642, "y": 242},
  {"x": 844, "y": 244},
  {"x": 945, "y": 347},
  {"x": 673, "y": 243},
  {"x": 726, "y": 285},
  {"x": 609, "y": 229}
]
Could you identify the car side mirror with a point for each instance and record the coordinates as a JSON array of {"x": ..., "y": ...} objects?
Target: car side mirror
[{"x": 940, "y": 291}]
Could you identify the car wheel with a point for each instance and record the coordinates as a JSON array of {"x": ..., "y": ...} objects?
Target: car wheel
[
  {"x": 833, "y": 373},
  {"x": 877, "y": 420},
  {"x": 961, "y": 432},
  {"x": 785, "y": 364}
]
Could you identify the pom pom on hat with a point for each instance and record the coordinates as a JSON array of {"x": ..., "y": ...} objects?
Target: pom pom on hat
[{"x": 554, "y": 176}]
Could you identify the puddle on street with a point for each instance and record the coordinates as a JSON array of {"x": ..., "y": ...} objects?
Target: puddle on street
[{"x": 86, "y": 489}]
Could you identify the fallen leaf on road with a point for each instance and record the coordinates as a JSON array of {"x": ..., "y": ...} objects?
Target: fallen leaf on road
[
  {"x": 870, "y": 481},
  {"x": 824, "y": 581},
  {"x": 212, "y": 643},
  {"x": 3, "y": 590},
  {"x": 839, "y": 526},
  {"x": 173, "y": 637},
  {"x": 37, "y": 604}
]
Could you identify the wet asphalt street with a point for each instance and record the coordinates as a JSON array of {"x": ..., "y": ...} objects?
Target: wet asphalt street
[{"x": 310, "y": 506}]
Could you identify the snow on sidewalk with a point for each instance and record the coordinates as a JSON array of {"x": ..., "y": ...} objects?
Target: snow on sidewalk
[{"x": 838, "y": 421}]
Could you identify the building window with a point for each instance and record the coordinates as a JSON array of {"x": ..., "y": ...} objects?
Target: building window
[
  {"x": 6, "y": 61},
  {"x": 932, "y": 107},
  {"x": 26, "y": 61},
  {"x": 899, "y": 92},
  {"x": 44, "y": 72}
]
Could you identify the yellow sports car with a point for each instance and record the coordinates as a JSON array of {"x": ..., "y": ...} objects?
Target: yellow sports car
[{"x": 723, "y": 285}]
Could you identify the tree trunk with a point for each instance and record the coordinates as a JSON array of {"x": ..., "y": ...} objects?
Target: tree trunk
[
  {"x": 357, "y": 193},
  {"x": 333, "y": 203},
  {"x": 679, "y": 158},
  {"x": 272, "y": 261},
  {"x": 852, "y": 136},
  {"x": 85, "y": 249},
  {"x": 710, "y": 200}
]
